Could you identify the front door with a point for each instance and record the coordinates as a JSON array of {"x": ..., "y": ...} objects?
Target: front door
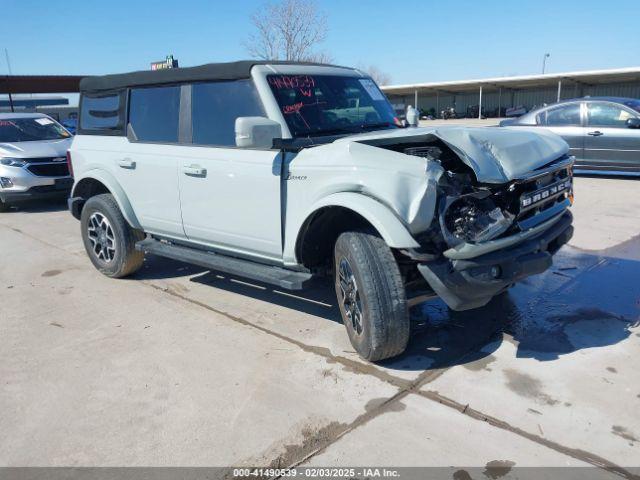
[
  {"x": 609, "y": 142},
  {"x": 230, "y": 197}
]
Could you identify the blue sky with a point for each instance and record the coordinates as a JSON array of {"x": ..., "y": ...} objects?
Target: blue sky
[{"x": 412, "y": 40}]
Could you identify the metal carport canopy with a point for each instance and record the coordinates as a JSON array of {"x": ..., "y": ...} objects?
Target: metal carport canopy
[
  {"x": 592, "y": 77},
  {"x": 12, "y": 84}
]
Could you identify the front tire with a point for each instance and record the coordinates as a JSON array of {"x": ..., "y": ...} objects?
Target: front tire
[
  {"x": 371, "y": 295},
  {"x": 4, "y": 206},
  {"x": 108, "y": 239}
]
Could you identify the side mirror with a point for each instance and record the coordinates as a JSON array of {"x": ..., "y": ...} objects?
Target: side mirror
[
  {"x": 256, "y": 132},
  {"x": 633, "y": 122}
]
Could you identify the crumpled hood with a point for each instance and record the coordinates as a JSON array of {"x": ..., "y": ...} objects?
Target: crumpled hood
[
  {"x": 496, "y": 155},
  {"x": 42, "y": 148}
]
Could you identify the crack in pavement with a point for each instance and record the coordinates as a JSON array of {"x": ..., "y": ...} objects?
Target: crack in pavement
[
  {"x": 576, "y": 453},
  {"x": 405, "y": 387}
]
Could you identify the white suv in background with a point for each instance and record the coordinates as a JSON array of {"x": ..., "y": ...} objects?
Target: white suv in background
[
  {"x": 281, "y": 172},
  {"x": 33, "y": 158}
]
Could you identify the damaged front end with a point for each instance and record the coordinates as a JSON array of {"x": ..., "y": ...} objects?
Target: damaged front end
[{"x": 485, "y": 235}]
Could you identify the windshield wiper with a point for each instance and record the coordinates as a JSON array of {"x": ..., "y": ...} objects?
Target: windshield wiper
[
  {"x": 377, "y": 125},
  {"x": 331, "y": 131},
  {"x": 351, "y": 130}
]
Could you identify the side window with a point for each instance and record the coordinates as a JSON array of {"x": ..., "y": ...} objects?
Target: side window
[
  {"x": 606, "y": 115},
  {"x": 154, "y": 113},
  {"x": 102, "y": 113},
  {"x": 564, "y": 116},
  {"x": 541, "y": 118},
  {"x": 215, "y": 107}
]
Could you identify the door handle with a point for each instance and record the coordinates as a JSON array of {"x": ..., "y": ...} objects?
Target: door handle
[
  {"x": 127, "y": 163},
  {"x": 194, "y": 171},
  {"x": 597, "y": 133}
]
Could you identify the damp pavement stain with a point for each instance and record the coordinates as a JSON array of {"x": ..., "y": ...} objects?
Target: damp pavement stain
[
  {"x": 481, "y": 364},
  {"x": 461, "y": 475},
  {"x": 498, "y": 468},
  {"x": 313, "y": 439},
  {"x": 328, "y": 373},
  {"x": 559, "y": 335},
  {"x": 528, "y": 387},
  {"x": 548, "y": 316},
  {"x": 376, "y": 403},
  {"x": 51, "y": 273}
]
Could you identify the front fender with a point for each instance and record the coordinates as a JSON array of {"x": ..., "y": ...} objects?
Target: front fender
[
  {"x": 388, "y": 225},
  {"x": 109, "y": 181}
]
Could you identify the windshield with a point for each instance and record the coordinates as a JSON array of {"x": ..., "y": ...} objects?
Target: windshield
[
  {"x": 30, "y": 129},
  {"x": 331, "y": 105}
]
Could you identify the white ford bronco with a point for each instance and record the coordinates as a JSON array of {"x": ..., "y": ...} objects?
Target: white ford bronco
[{"x": 281, "y": 172}]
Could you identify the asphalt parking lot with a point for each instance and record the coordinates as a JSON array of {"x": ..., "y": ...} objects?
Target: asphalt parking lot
[{"x": 182, "y": 366}]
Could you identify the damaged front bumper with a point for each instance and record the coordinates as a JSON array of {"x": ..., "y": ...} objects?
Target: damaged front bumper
[{"x": 469, "y": 278}]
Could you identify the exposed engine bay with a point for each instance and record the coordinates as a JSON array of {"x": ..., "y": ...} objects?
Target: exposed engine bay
[
  {"x": 477, "y": 243},
  {"x": 484, "y": 207},
  {"x": 469, "y": 211}
]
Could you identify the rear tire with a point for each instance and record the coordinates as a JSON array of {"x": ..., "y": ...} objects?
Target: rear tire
[
  {"x": 371, "y": 295},
  {"x": 108, "y": 239},
  {"x": 4, "y": 206}
]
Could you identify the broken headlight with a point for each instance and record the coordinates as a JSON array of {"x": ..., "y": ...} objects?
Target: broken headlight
[{"x": 471, "y": 219}]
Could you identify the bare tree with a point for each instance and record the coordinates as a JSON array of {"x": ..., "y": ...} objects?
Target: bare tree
[
  {"x": 380, "y": 77},
  {"x": 288, "y": 30}
]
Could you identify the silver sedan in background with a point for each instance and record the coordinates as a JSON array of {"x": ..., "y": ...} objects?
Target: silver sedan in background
[{"x": 602, "y": 132}]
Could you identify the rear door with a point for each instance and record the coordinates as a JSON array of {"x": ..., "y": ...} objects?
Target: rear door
[
  {"x": 146, "y": 166},
  {"x": 566, "y": 120},
  {"x": 609, "y": 142},
  {"x": 230, "y": 196}
]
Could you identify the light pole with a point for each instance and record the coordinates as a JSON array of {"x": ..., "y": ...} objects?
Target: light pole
[
  {"x": 6, "y": 54},
  {"x": 544, "y": 61}
]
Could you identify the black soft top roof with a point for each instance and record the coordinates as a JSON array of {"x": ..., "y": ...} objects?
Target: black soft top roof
[{"x": 211, "y": 71}]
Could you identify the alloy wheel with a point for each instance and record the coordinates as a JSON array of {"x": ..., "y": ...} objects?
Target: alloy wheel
[
  {"x": 350, "y": 296},
  {"x": 101, "y": 237}
]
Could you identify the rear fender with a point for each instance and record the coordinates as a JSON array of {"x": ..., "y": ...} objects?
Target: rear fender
[{"x": 116, "y": 190}]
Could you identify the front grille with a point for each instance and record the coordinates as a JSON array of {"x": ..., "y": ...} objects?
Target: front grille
[
  {"x": 48, "y": 169},
  {"x": 517, "y": 197},
  {"x": 47, "y": 160}
]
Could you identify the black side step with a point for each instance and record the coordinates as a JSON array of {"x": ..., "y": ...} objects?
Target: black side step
[{"x": 281, "y": 277}]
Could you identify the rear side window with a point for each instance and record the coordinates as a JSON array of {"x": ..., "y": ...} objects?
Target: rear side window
[
  {"x": 154, "y": 114},
  {"x": 564, "y": 116},
  {"x": 215, "y": 107},
  {"x": 102, "y": 114}
]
